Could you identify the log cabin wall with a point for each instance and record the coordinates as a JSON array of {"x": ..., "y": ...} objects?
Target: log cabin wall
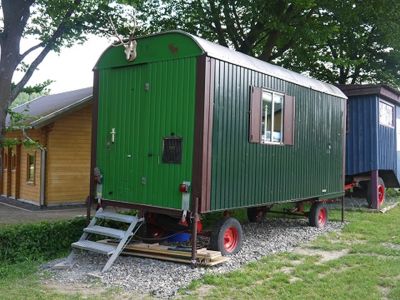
[
  {"x": 68, "y": 142},
  {"x": 15, "y": 172},
  {"x": 68, "y": 158}
]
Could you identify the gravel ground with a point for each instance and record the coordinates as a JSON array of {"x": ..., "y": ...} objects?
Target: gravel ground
[{"x": 163, "y": 279}]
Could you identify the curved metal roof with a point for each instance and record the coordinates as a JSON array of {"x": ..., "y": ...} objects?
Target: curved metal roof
[
  {"x": 243, "y": 60},
  {"x": 223, "y": 53}
]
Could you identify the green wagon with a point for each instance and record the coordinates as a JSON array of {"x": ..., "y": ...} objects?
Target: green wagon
[{"x": 190, "y": 127}]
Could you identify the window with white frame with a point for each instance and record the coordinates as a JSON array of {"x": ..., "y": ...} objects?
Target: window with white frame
[
  {"x": 386, "y": 113},
  {"x": 271, "y": 117}
]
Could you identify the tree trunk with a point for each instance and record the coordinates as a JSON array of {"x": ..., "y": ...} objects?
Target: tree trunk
[
  {"x": 5, "y": 94},
  {"x": 7, "y": 66}
]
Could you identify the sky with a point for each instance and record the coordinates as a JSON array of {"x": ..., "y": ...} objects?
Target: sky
[{"x": 71, "y": 69}]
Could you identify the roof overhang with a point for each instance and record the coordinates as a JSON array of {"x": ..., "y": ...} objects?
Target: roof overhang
[
  {"x": 50, "y": 118},
  {"x": 382, "y": 90}
]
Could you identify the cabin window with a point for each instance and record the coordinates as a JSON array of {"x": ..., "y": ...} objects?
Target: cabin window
[
  {"x": 13, "y": 160},
  {"x": 386, "y": 114},
  {"x": 172, "y": 150},
  {"x": 31, "y": 167},
  {"x": 271, "y": 117}
]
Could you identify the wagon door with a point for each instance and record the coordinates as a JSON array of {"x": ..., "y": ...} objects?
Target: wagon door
[
  {"x": 332, "y": 146},
  {"x": 120, "y": 98}
]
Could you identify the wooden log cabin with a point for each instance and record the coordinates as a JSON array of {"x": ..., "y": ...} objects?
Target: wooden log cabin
[{"x": 56, "y": 171}]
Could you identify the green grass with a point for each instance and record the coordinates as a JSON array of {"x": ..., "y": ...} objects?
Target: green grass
[
  {"x": 20, "y": 281},
  {"x": 24, "y": 247},
  {"x": 23, "y": 280},
  {"x": 369, "y": 270}
]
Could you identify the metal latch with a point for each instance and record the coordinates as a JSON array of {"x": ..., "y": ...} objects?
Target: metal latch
[{"x": 113, "y": 132}]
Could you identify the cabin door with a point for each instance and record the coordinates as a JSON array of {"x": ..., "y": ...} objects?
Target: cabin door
[
  {"x": 333, "y": 147},
  {"x": 11, "y": 171},
  {"x": 145, "y": 132},
  {"x": 121, "y": 100}
]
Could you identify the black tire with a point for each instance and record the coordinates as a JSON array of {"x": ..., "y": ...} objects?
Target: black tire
[
  {"x": 227, "y": 236},
  {"x": 256, "y": 214},
  {"x": 381, "y": 185},
  {"x": 318, "y": 216}
]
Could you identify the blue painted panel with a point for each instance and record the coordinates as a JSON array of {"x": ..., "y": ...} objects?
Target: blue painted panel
[
  {"x": 387, "y": 156},
  {"x": 362, "y": 135}
]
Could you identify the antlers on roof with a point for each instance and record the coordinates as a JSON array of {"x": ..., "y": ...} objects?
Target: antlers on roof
[{"x": 130, "y": 44}]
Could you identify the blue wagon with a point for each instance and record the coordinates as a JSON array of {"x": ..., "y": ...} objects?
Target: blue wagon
[{"x": 373, "y": 139}]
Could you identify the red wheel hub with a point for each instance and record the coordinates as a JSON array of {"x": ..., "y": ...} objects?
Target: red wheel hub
[
  {"x": 381, "y": 194},
  {"x": 231, "y": 237},
  {"x": 322, "y": 214}
]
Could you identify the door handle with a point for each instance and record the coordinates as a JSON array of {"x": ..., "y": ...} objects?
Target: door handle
[{"x": 113, "y": 132}]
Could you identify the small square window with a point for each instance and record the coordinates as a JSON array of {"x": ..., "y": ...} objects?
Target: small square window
[
  {"x": 172, "y": 150},
  {"x": 272, "y": 117}
]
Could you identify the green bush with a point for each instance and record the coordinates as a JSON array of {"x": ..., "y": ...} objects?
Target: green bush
[
  {"x": 391, "y": 192},
  {"x": 38, "y": 241}
]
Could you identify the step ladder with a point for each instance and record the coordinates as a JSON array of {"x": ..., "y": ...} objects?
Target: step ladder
[{"x": 110, "y": 250}]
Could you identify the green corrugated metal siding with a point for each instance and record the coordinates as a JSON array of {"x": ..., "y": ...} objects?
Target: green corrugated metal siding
[
  {"x": 245, "y": 174},
  {"x": 141, "y": 119}
]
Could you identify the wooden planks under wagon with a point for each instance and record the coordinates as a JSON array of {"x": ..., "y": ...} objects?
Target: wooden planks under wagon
[{"x": 182, "y": 255}]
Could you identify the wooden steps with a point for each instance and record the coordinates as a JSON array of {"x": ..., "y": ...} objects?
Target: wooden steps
[{"x": 204, "y": 257}]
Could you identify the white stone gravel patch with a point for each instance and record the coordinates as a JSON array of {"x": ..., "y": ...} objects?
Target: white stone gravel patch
[{"x": 163, "y": 279}]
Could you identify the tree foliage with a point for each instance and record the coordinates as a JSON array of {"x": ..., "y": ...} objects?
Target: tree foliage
[
  {"x": 31, "y": 92},
  {"x": 54, "y": 24},
  {"x": 362, "y": 45},
  {"x": 339, "y": 41},
  {"x": 265, "y": 29}
]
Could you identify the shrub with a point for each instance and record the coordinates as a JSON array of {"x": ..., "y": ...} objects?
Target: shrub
[
  {"x": 44, "y": 240},
  {"x": 393, "y": 192}
]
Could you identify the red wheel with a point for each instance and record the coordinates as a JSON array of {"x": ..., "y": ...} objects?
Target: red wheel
[
  {"x": 318, "y": 215},
  {"x": 380, "y": 192},
  {"x": 322, "y": 216},
  {"x": 227, "y": 236},
  {"x": 231, "y": 237}
]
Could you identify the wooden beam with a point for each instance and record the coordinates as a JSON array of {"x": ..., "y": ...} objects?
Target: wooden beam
[
  {"x": 203, "y": 256},
  {"x": 374, "y": 189}
]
